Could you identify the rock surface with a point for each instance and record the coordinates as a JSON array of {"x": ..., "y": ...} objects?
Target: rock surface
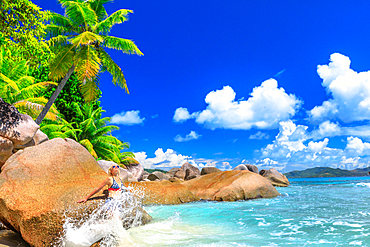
[
  {"x": 209, "y": 170},
  {"x": 158, "y": 175},
  {"x": 164, "y": 192},
  {"x": 17, "y": 131},
  {"x": 248, "y": 167},
  {"x": 38, "y": 184},
  {"x": 136, "y": 169},
  {"x": 190, "y": 171},
  {"x": 231, "y": 186},
  {"x": 276, "y": 178},
  {"x": 125, "y": 175}
]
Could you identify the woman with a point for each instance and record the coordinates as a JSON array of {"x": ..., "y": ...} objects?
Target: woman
[{"x": 114, "y": 187}]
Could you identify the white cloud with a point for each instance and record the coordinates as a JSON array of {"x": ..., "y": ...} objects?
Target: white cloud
[
  {"x": 267, "y": 106},
  {"x": 162, "y": 159},
  {"x": 127, "y": 118},
  {"x": 191, "y": 136},
  {"x": 182, "y": 114},
  {"x": 226, "y": 166},
  {"x": 350, "y": 91},
  {"x": 259, "y": 136},
  {"x": 293, "y": 147}
]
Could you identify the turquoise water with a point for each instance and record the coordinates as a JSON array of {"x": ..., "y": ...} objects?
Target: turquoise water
[{"x": 311, "y": 212}]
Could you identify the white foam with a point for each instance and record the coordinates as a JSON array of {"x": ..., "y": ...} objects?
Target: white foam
[
  {"x": 105, "y": 223},
  {"x": 363, "y": 184}
]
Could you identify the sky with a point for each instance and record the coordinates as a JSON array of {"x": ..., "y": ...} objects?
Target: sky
[{"x": 276, "y": 84}]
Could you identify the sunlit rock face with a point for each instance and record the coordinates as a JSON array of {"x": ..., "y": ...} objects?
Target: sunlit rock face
[
  {"x": 40, "y": 187},
  {"x": 231, "y": 186},
  {"x": 276, "y": 178}
]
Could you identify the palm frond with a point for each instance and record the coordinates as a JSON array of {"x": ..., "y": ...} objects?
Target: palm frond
[
  {"x": 55, "y": 30},
  {"x": 87, "y": 144},
  {"x": 61, "y": 63},
  {"x": 86, "y": 38},
  {"x": 113, "y": 69},
  {"x": 117, "y": 17},
  {"x": 31, "y": 90},
  {"x": 8, "y": 84},
  {"x": 19, "y": 70},
  {"x": 80, "y": 13},
  {"x": 58, "y": 41},
  {"x": 58, "y": 20},
  {"x": 124, "y": 45},
  {"x": 88, "y": 65},
  {"x": 97, "y": 6}
]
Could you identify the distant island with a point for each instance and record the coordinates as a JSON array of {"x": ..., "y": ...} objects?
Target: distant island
[{"x": 319, "y": 172}]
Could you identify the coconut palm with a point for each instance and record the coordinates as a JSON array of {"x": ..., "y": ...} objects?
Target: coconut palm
[
  {"x": 91, "y": 131},
  {"x": 20, "y": 89},
  {"x": 80, "y": 37}
]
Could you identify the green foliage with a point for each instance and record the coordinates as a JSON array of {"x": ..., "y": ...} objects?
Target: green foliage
[
  {"x": 79, "y": 37},
  {"x": 20, "y": 89},
  {"x": 22, "y": 29},
  {"x": 319, "y": 172},
  {"x": 154, "y": 170},
  {"x": 91, "y": 131}
]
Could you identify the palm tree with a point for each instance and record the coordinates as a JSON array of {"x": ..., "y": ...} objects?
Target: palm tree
[
  {"x": 91, "y": 131},
  {"x": 21, "y": 90},
  {"x": 80, "y": 37}
]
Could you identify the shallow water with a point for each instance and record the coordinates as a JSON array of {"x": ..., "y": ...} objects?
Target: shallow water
[{"x": 311, "y": 212}]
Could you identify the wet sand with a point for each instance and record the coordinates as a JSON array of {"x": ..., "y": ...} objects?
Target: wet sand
[{"x": 10, "y": 238}]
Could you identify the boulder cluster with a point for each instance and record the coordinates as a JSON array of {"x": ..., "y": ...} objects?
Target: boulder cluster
[
  {"x": 187, "y": 172},
  {"x": 41, "y": 181},
  {"x": 17, "y": 131}
]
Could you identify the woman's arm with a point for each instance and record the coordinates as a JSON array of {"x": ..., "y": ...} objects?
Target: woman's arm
[{"x": 107, "y": 181}]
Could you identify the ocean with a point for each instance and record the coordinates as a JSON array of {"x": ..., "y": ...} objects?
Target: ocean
[{"x": 310, "y": 212}]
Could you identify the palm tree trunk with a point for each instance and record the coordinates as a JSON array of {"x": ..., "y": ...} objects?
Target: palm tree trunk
[{"x": 55, "y": 95}]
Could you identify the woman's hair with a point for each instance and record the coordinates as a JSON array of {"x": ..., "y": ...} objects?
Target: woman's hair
[{"x": 110, "y": 170}]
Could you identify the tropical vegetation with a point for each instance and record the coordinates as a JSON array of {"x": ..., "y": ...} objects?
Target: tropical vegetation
[
  {"x": 80, "y": 36},
  {"x": 50, "y": 66},
  {"x": 20, "y": 89},
  {"x": 91, "y": 131}
]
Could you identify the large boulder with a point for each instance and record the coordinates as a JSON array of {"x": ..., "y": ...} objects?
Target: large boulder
[
  {"x": 158, "y": 175},
  {"x": 248, "y": 167},
  {"x": 135, "y": 168},
  {"x": 209, "y": 170},
  {"x": 231, "y": 186},
  {"x": 190, "y": 171},
  {"x": 40, "y": 186},
  {"x": 17, "y": 127},
  {"x": 125, "y": 175},
  {"x": 173, "y": 171},
  {"x": 276, "y": 178},
  {"x": 163, "y": 192}
]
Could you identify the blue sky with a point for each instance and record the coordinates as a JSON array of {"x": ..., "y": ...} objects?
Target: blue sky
[{"x": 281, "y": 84}]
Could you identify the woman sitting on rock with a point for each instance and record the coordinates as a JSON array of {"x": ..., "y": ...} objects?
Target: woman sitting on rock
[{"x": 114, "y": 188}]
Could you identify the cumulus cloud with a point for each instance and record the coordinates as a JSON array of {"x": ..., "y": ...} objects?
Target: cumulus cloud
[
  {"x": 127, "y": 118},
  {"x": 294, "y": 147},
  {"x": 162, "y": 159},
  {"x": 350, "y": 92},
  {"x": 264, "y": 109},
  {"x": 191, "y": 136},
  {"x": 259, "y": 136}
]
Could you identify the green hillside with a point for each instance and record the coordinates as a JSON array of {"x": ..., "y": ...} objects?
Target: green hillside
[{"x": 319, "y": 172}]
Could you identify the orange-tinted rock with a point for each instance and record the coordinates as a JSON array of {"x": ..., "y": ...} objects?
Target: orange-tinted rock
[
  {"x": 164, "y": 192},
  {"x": 209, "y": 170},
  {"x": 38, "y": 184},
  {"x": 231, "y": 186},
  {"x": 276, "y": 178}
]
